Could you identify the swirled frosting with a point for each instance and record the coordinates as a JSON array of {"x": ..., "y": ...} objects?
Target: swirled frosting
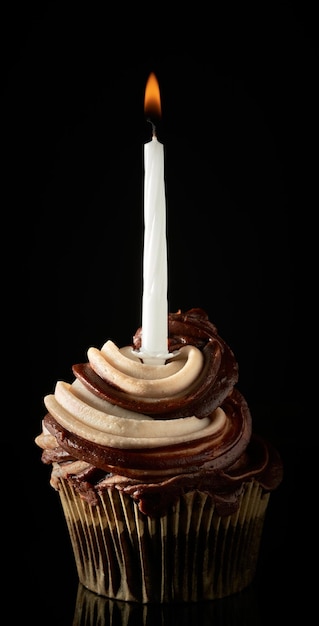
[{"x": 155, "y": 431}]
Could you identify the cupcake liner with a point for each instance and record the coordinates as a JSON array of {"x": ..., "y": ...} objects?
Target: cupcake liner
[{"x": 189, "y": 554}]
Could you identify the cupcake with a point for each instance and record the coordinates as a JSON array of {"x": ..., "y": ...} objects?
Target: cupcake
[{"x": 163, "y": 484}]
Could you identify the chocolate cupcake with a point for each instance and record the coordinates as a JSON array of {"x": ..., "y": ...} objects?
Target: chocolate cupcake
[{"x": 163, "y": 484}]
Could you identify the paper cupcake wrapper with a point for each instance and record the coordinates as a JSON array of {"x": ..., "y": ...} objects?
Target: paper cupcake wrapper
[{"x": 189, "y": 554}]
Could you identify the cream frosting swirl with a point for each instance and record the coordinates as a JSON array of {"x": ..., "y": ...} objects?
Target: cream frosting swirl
[
  {"x": 99, "y": 421},
  {"x": 155, "y": 431}
]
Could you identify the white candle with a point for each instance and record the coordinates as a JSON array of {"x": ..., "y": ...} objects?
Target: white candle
[{"x": 154, "y": 348}]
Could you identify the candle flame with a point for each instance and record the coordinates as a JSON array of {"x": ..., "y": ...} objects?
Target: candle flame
[{"x": 152, "y": 101}]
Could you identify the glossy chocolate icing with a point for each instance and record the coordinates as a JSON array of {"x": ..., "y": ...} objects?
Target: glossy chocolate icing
[{"x": 156, "y": 476}]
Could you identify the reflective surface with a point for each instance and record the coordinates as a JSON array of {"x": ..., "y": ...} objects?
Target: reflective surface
[{"x": 92, "y": 610}]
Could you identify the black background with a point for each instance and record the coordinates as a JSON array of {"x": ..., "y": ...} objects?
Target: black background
[{"x": 240, "y": 130}]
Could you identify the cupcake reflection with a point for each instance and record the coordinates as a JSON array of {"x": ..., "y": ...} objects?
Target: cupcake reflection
[{"x": 240, "y": 609}]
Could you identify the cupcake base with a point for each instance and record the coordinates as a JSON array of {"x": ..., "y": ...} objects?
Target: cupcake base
[
  {"x": 187, "y": 555},
  {"x": 240, "y": 609}
]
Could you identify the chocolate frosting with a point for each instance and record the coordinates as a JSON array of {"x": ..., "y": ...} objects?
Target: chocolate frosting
[
  {"x": 217, "y": 380},
  {"x": 217, "y": 461}
]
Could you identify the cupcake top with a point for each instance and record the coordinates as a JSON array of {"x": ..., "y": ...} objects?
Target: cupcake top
[{"x": 157, "y": 431}]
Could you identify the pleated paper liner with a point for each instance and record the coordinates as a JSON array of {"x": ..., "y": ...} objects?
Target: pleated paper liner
[
  {"x": 240, "y": 609},
  {"x": 187, "y": 555}
]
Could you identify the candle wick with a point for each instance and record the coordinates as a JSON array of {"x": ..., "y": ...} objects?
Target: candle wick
[{"x": 153, "y": 127}]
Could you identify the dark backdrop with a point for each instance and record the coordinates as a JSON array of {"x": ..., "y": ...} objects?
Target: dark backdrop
[{"x": 240, "y": 129}]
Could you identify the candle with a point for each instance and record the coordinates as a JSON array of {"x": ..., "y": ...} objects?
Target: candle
[{"x": 154, "y": 348}]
